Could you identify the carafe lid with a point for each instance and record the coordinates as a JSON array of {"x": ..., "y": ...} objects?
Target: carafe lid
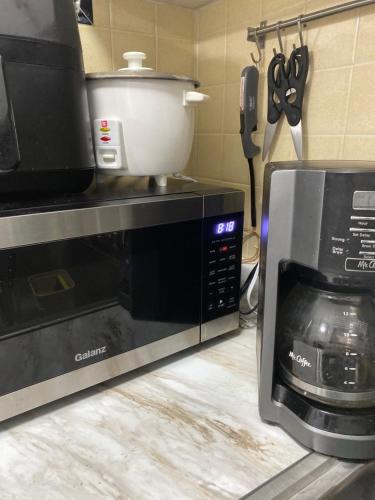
[{"x": 136, "y": 70}]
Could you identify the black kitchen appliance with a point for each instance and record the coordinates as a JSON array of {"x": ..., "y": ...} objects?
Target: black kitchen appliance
[
  {"x": 44, "y": 122},
  {"x": 94, "y": 285},
  {"x": 317, "y": 308}
]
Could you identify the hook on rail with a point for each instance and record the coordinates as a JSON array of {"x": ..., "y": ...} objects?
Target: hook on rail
[
  {"x": 278, "y": 28},
  {"x": 256, "y": 61}
]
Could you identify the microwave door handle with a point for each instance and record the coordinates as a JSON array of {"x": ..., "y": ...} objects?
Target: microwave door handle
[{"x": 9, "y": 150}]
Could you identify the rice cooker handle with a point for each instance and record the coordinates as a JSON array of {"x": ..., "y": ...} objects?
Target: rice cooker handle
[
  {"x": 193, "y": 97},
  {"x": 9, "y": 150}
]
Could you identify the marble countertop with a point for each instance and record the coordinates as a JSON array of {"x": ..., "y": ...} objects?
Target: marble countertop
[{"x": 183, "y": 428}]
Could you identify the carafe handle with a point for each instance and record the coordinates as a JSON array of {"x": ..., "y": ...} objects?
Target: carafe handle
[{"x": 9, "y": 150}]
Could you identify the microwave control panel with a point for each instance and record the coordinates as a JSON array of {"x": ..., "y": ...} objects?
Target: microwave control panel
[{"x": 222, "y": 265}]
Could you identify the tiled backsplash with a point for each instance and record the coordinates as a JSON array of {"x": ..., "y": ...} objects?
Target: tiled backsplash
[
  {"x": 164, "y": 32},
  {"x": 210, "y": 43},
  {"x": 339, "y": 104}
]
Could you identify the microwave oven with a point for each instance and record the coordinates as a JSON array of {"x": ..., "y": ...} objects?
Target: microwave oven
[{"x": 95, "y": 285}]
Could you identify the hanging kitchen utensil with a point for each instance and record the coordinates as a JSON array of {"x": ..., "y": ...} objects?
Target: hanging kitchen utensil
[
  {"x": 248, "y": 116},
  {"x": 275, "y": 109},
  {"x": 286, "y": 88},
  {"x": 274, "y": 81}
]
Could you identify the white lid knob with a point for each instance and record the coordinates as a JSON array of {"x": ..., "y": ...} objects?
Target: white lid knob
[{"x": 135, "y": 60}]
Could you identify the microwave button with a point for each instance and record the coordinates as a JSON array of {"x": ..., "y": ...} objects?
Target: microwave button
[
  {"x": 212, "y": 283},
  {"x": 221, "y": 304},
  {"x": 221, "y": 281},
  {"x": 212, "y": 262},
  {"x": 223, "y": 249},
  {"x": 212, "y": 273},
  {"x": 232, "y": 257},
  {"x": 222, "y": 270}
]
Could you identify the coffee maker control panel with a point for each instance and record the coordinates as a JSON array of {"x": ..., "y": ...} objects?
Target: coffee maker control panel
[
  {"x": 348, "y": 225},
  {"x": 222, "y": 265}
]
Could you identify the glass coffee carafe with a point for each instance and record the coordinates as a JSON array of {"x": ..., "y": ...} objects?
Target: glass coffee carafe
[{"x": 326, "y": 344}]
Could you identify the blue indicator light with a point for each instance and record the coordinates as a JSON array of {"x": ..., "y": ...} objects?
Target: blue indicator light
[
  {"x": 264, "y": 228},
  {"x": 225, "y": 227}
]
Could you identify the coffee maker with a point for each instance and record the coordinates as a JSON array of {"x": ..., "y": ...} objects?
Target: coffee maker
[{"x": 316, "y": 322}]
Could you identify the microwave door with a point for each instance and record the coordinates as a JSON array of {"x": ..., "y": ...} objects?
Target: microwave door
[{"x": 110, "y": 294}]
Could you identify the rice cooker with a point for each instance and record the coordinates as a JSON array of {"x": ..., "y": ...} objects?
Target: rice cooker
[{"x": 142, "y": 120}]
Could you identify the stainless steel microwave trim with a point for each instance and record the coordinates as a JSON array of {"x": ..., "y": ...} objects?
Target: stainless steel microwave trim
[
  {"x": 367, "y": 397},
  {"x": 219, "y": 326},
  {"x": 39, "y": 394},
  {"x": 222, "y": 203},
  {"x": 43, "y": 227}
]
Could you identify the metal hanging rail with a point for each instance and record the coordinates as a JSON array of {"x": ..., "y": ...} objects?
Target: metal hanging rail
[{"x": 262, "y": 30}]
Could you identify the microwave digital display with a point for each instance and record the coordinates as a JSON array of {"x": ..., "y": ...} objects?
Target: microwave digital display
[{"x": 225, "y": 227}]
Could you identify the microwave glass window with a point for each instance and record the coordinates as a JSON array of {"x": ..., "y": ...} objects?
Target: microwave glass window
[
  {"x": 126, "y": 278},
  {"x": 225, "y": 227}
]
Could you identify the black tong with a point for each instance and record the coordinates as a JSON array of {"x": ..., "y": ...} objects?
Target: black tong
[{"x": 286, "y": 87}]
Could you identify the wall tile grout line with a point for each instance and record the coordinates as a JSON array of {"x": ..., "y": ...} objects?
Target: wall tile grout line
[
  {"x": 347, "y": 117},
  {"x": 111, "y": 35},
  {"x": 156, "y": 36}
]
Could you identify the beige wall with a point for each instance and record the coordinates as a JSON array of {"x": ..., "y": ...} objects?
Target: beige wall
[
  {"x": 339, "y": 110},
  {"x": 164, "y": 32}
]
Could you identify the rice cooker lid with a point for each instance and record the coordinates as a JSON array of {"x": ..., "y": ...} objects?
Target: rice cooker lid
[{"x": 136, "y": 70}]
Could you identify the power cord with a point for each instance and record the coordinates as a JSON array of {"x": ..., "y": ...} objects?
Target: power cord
[{"x": 252, "y": 194}]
